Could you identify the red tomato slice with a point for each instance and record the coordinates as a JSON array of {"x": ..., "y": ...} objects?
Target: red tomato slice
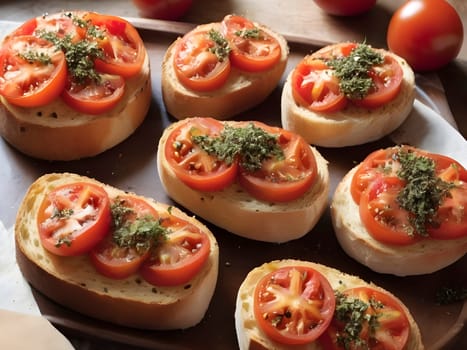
[
  {"x": 391, "y": 327},
  {"x": 282, "y": 180},
  {"x": 32, "y": 71},
  {"x": 197, "y": 66},
  {"x": 381, "y": 214},
  {"x": 180, "y": 257},
  {"x": 387, "y": 80},
  {"x": 120, "y": 261},
  {"x": 294, "y": 305},
  {"x": 252, "y": 49},
  {"x": 124, "y": 51},
  {"x": 191, "y": 164},
  {"x": 95, "y": 97},
  {"x": 73, "y": 218},
  {"x": 314, "y": 86}
]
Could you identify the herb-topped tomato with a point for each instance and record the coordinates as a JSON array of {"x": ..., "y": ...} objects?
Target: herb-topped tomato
[
  {"x": 94, "y": 53},
  {"x": 272, "y": 164},
  {"x": 328, "y": 79},
  {"x": 287, "y": 171},
  {"x": 193, "y": 165},
  {"x": 201, "y": 60},
  {"x": 123, "y": 48},
  {"x": 136, "y": 230},
  {"x": 180, "y": 257},
  {"x": 366, "y": 318},
  {"x": 32, "y": 71},
  {"x": 252, "y": 49},
  {"x": 294, "y": 305},
  {"x": 73, "y": 218},
  {"x": 406, "y": 194}
]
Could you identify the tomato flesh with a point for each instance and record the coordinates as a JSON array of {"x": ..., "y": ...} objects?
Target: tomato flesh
[
  {"x": 283, "y": 180},
  {"x": 375, "y": 187},
  {"x": 391, "y": 329},
  {"x": 180, "y": 257},
  {"x": 191, "y": 164},
  {"x": 250, "y": 52},
  {"x": 294, "y": 305},
  {"x": 27, "y": 81},
  {"x": 73, "y": 218}
]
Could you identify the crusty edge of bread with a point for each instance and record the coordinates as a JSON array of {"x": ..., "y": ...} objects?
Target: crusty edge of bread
[
  {"x": 234, "y": 210},
  {"x": 423, "y": 257},
  {"x": 250, "y": 336},
  {"x": 242, "y": 91},
  {"x": 352, "y": 125},
  {"x": 73, "y": 282},
  {"x": 58, "y": 132}
]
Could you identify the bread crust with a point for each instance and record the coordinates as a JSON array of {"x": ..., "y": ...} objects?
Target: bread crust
[
  {"x": 73, "y": 282},
  {"x": 236, "y": 211},
  {"x": 242, "y": 91},
  {"x": 353, "y": 125},
  {"x": 58, "y": 132},
  {"x": 422, "y": 257},
  {"x": 250, "y": 336}
]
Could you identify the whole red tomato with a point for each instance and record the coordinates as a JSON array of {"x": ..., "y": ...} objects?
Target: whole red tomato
[
  {"x": 170, "y": 10},
  {"x": 345, "y": 7},
  {"x": 427, "y": 33}
]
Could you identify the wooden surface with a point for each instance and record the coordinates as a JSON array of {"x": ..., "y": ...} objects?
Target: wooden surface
[{"x": 300, "y": 18}]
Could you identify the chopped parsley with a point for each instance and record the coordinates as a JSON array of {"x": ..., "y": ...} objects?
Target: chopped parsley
[
  {"x": 221, "y": 48},
  {"x": 352, "y": 313},
  {"x": 251, "y": 33},
  {"x": 141, "y": 233},
  {"x": 352, "y": 70},
  {"x": 250, "y": 145},
  {"x": 448, "y": 295},
  {"x": 36, "y": 57},
  {"x": 423, "y": 192}
]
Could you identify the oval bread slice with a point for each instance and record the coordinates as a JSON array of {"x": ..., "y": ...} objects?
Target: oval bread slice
[
  {"x": 74, "y": 283},
  {"x": 423, "y": 257},
  {"x": 250, "y": 336}
]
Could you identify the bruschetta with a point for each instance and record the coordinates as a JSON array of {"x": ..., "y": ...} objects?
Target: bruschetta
[
  {"x": 402, "y": 211},
  {"x": 222, "y": 68},
  {"x": 114, "y": 255},
  {"x": 252, "y": 179},
  {"x": 347, "y": 94},
  {"x": 72, "y": 84}
]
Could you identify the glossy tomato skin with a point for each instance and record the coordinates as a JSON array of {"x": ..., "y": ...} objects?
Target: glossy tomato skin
[
  {"x": 118, "y": 262},
  {"x": 345, "y": 7},
  {"x": 180, "y": 257},
  {"x": 31, "y": 83},
  {"x": 171, "y": 10},
  {"x": 427, "y": 33},
  {"x": 194, "y": 166},
  {"x": 73, "y": 218},
  {"x": 294, "y": 305},
  {"x": 391, "y": 331}
]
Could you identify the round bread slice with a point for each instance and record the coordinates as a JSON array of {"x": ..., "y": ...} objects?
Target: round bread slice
[
  {"x": 352, "y": 125},
  {"x": 250, "y": 336},
  {"x": 58, "y": 132},
  {"x": 236, "y": 211},
  {"x": 419, "y": 258},
  {"x": 74, "y": 283},
  {"x": 242, "y": 91}
]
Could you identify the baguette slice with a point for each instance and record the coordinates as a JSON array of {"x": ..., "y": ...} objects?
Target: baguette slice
[
  {"x": 250, "y": 336},
  {"x": 423, "y": 257},
  {"x": 353, "y": 125},
  {"x": 74, "y": 283},
  {"x": 236, "y": 211},
  {"x": 58, "y": 132},
  {"x": 242, "y": 91}
]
